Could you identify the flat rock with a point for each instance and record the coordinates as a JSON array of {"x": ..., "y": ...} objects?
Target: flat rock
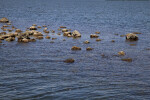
[{"x": 4, "y": 20}]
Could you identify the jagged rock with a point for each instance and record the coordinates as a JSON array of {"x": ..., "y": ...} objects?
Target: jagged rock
[
  {"x": 86, "y": 42},
  {"x": 4, "y": 20},
  {"x": 67, "y": 34},
  {"x": 47, "y": 37},
  {"x": 75, "y": 48},
  {"x": 76, "y": 34},
  {"x": 64, "y": 30},
  {"x": 94, "y": 36},
  {"x": 89, "y": 48},
  {"x": 131, "y": 36},
  {"x": 127, "y": 59},
  {"x": 33, "y": 28},
  {"x": 69, "y": 60},
  {"x": 121, "y": 53}
]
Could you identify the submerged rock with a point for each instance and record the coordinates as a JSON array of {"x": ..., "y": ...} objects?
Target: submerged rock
[
  {"x": 76, "y": 34},
  {"x": 94, "y": 36},
  {"x": 97, "y": 32},
  {"x": 70, "y": 60},
  {"x": 4, "y": 20},
  {"x": 67, "y": 34},
  {"x": 131, "y": 36},
  {"x": 25, "y": 40},
  {"x": 75, "y": 48},
  {"x": 64, "y": 30},
  {"x": 63, "y": 27},
  {"x": 98, "y": 40},
  {"x": 121, "y": 53},
  {"x": 127, "y": 59},
  {"x": 137, "y": 33},
  {"x": 39, "y": 37},
  {"x": 0, "y": 41},
  {"x": 47, "y": 37},
  {"x": 18, "y": 31}
]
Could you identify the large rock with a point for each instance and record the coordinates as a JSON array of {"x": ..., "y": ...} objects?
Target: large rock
[
  {"x": 131, "y": 36},
  {"x": 10, "y": 39},
  {"x": 76, "y": 34},
  {"x": 4, "y": 20}
]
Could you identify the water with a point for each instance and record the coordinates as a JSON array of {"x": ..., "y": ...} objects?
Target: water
[{"x": 36, "y": 71}]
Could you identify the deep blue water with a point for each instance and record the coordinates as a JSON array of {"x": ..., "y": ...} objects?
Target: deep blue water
[{"x": 36, "y": 71}]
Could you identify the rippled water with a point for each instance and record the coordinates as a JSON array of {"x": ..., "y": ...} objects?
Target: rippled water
[{"x": 36, "y": 71}]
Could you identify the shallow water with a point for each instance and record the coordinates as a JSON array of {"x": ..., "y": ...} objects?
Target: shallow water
[{"x": 36, "y": 71}]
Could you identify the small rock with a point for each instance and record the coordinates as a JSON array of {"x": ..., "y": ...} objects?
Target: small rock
[
  {"x": 127, "y": 59},
  {"x": 54, "y": 38},
  {"x": 121, "y": 53},
  {"x": 122, "y": 35},
  {"x": 76, "y": 34},
  {"x": 51, "y": 41},
  {"x": 132, "y": 44},
  {"x": 94, "y": 36},
  {"x": 52, "y": 31},
  {"x": 5, "y": 25},
  {"x": 47, "y": 37},
  {"x": 44, "y": 26},
  {"x": 34, "y": 25},
  {"x": 25, "y": 40},
  {"x": 39, "y": 27},
  {"x": 63, "y": 27},
  {"x": 64, "y": 30},
  {"x": 31, "y": 40},
  {"x": 137, "y": 33},
  {"x": 116, "y": 34},
  {"x": 33, "y": 28},
  {"x": 86, "y": 42},
  {"x": 97, "y": 32},
  {"x": 0, "y": 41},
  {"x": 37, "y": 34},
  {"x": 98, "y": 40},
  {"x": 39, "y": 37},
  {"x": 8, "y": 23},
  {"x": 9, "y": 30},
  {"x": 89, "y": 48},
  {"x": 59, "y": 29},
  {"x": 131, "y": 36},
  {"x": 4, "y": 20},
  {"x": 18, "y": 31},
  {"x": 69, "y": 60},
  {"x": 112, "y": 40},
  {"x": 10, "y": 39},
  {"x": 67, "y": 34},
  {"x": 75, "y": 48},
  {"x": 46, "y": 31},
  {"x": 59, "y": 33}
]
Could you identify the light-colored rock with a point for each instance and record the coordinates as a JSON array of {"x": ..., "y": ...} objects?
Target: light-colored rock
[
  {"x": 97, "y": 32},
  {"x": 64, "y": 30},
  {"x": 10, "y": 39},
  {"x": 37, "y": 34},
  {"x": 18, "y": 30},
  {"x": 75, "y": 48},
  {"x": 4, "y": 20},
  {"x": 86, "y": 42},
  {"x": 121, "y": 53},
  {"x": 33, "y": 28},
  {"x": 67, "y": 33},
  {"x": 131, "y": 36},
  {"x": 25, "y": 40},
  {"x": 76, "y": 34},
  {"x": 47, "y": 37}
]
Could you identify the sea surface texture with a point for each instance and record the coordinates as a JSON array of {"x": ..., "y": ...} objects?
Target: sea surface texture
[{"x": 36, "y": 71}]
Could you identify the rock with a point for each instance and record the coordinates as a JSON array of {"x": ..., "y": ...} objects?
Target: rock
[
  {"x": 127, "y": 59},
  {"x": 70, "y": 60},
  {"x": 34, "y": 25},
  {"x": 52, "y": 31},
  {"x": 3, "y": 33},
  {"x": 131, "y": 36},
  {"x": 121, "y": 53},
  {"x": 45, "y": 31},
  {"x": 59, "y": 33},
  {"x": 89, "y": 48},
  {"x": 54, "y": 38},
  {"x": 25, "y": 40},
  {"x": 122, "y": 35},
  {"x": 75, "y": 48},
  {"x": 76, "y": 34},
  {"x": 10, "y": 39},
  {"x": 18, "y": 30},
  {"x": 112, "y": 40},
  {"x": 9, "y": 30},
  {"x": 137, "y": 33},
  {"x": 31, "y": 40},
  {"x": 64, "y": 40},
  {"x": 4, "y": 20},
  {"x": 37, "y": 34},
  {"x": 5, "y": 25},
  {"x": 94, "y": 36},
  {"x": 86, "y": 42},
  {"x": 132, "y": 44},
  {"x": 64, "y": 30},
  {"x": 116, "y": 34},
  {"x": 39, "y": 37},
  {"x": 44, "y": 26},
  {"x": 47, "y": 37},
  {"x": 63, "y": 27},
  {"x": 33, "y": 28},
  {"x": 51, "y": 41},
  {"x": 97, "y": 32},
  {"x": 8, "y": 23},
  {"x": 67, "y": 34},
  {"x": 4, "y": 29},
  {"x": 59, "y": 29},
  {"x": 0, "y": 41},
  {"x": 39, "y": 27},
  {"x": 98, "y": 40}
]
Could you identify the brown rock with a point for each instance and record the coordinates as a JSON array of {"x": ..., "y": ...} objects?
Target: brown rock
[
  {"x": 52, "y": 31},
  {"x": 39, "y": 37},
  {"x": 86, "y": 42},
  {"x": 31, "y": 40},
  {"x": 25, "y": 40},
  {"x": 131, "y": 36},
  {"x": 94, "y": 36},
  {"x": 0, "y": 41},
  {"x": 89, "y": 48},
  {"x": 63, "y": 27},
  {"x": 54, "y": 38},
  {"x": 18, "y": 30},
  {"x": 39, "y": 27},
  {"x": 33, "y": 28},
  {"x": 34, "y": 25},
  {"x": 98, "y": 40},
  {"x": 75, "y": 33},
  {"x": 69, "y": 60},
  {"x": 5, "y": 25},
  {"x": 137, "y": 33},
  {"x": 132, "y": 44},
  {"x": 127, "y": 59},
  {"x": 4, "y": 20},
  {"x": 112, "y": 40},
  {"x": 44, "y": 26},
  {"x": 97, "y": 32},
  {"x": 67, "y": 34},
  {"x": 47, "y": 37},
  {"x": 10, "y": 39},
  {"x": 75, "y": 48},
  {"x": 64, "y": 30},
  {"x": 121, "y": 53}
]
